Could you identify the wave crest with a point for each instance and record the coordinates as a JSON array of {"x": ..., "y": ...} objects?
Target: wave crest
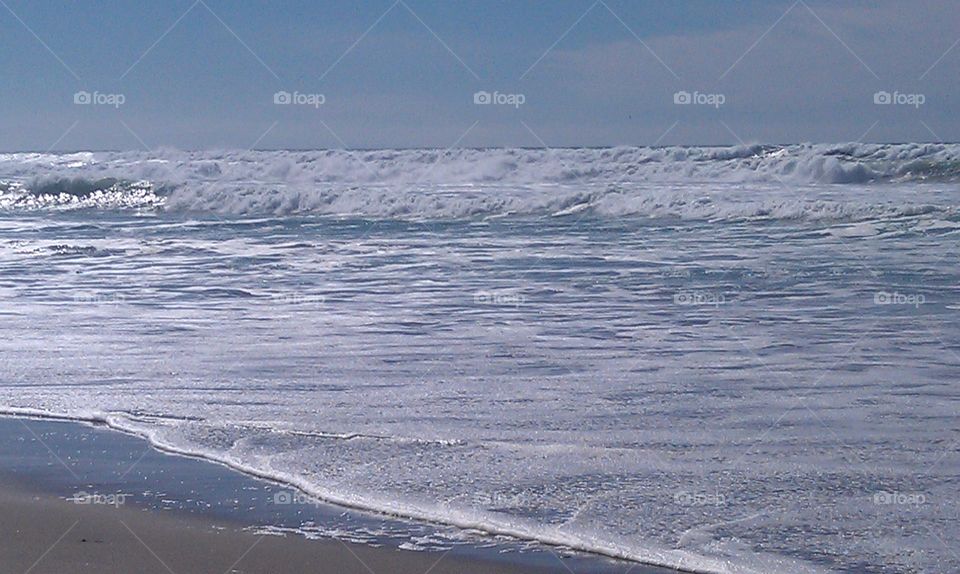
[{"x": 463, "y": 182}]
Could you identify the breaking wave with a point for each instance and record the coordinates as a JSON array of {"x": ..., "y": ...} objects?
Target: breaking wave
[{"x": 428, "y": 184}]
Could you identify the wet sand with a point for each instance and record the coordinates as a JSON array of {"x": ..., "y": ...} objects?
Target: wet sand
[
  {"x": 81, "y": 498},
  {"x": 45, "y": 534}
]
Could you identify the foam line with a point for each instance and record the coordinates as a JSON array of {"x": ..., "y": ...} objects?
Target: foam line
[{"x": 679, "y": 560}]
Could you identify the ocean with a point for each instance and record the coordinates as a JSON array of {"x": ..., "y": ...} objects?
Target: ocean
[{"x": 724, "y": 359}]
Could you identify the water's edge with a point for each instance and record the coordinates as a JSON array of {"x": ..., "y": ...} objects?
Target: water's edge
[{"x": 676, "y": 564}]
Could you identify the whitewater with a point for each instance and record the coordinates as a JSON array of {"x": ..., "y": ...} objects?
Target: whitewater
[{"x": 724, "y": 359}]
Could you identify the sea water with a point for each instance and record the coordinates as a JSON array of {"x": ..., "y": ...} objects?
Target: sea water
[{"x": 723, "y": 359}]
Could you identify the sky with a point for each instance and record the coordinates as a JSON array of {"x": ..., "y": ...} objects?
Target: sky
[{"x": 299, "y": 74}]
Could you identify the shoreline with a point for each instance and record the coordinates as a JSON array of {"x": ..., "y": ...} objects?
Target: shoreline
[
  {"x": 41, "y": 486},
  {"x": 41, "y": 533}
]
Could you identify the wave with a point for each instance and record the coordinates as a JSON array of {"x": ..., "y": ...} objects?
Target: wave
[
  {"x": 79, "y": 193},
  {"x": 626, "y": 549},
  {"x": 463, "y": 183}
]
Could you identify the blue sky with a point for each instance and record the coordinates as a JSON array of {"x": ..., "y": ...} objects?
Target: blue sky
[{"x": 202, "y": 74}]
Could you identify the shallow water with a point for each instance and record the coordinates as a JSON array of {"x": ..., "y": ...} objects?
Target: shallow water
[
  {"x": 91, "y": 465},
  {"x": 743, "y": 377}
]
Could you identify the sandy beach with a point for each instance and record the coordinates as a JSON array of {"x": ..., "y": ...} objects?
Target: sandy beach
[{"x": 44, "y": 534}]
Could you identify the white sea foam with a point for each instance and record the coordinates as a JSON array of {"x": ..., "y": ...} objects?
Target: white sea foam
[
  {"x": 724, "y": 561},
  {"x": 668, "y": 355},
  {"x": 433, "y": 184}
]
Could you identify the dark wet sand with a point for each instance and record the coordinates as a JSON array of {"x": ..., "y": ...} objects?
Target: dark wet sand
[
  {"x": 45, "y": 534},
  {"x": 186, "y": 515}
]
